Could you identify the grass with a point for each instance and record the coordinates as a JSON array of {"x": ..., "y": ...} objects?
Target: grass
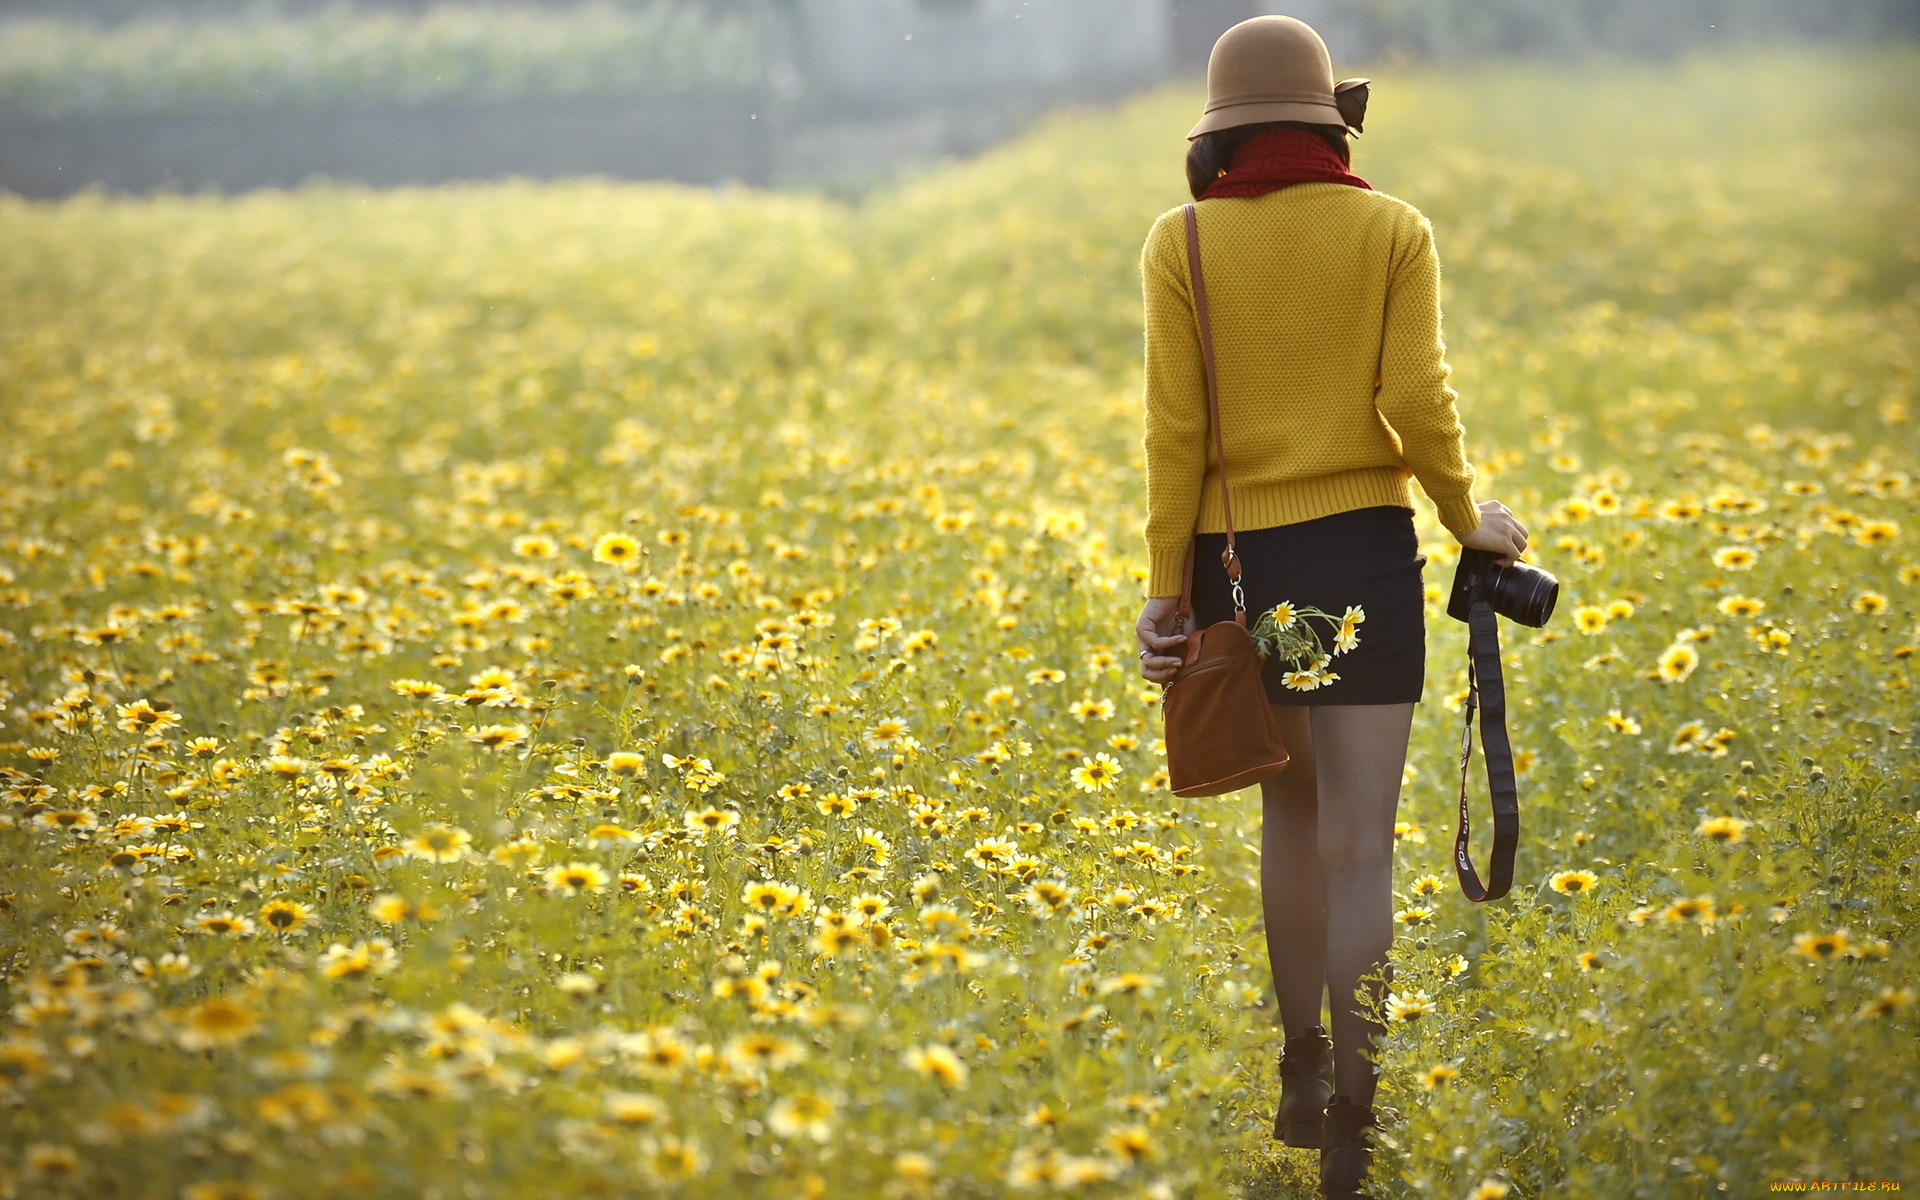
[{"x": 591, "y": 688}]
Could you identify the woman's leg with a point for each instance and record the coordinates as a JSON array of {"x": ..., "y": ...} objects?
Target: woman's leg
[
  {"x": 1290, "y": 891},
  {"x": 1360, "y": 755}
]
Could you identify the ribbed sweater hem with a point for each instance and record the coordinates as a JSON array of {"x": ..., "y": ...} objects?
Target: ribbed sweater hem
[{"x": 1290, "y": 501}]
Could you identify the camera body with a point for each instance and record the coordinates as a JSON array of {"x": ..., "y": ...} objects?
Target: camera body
[{"x": 1522, "y": 593}]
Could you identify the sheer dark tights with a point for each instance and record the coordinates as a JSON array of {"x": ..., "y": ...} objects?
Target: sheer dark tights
[{"x": 1326, "y": 870}]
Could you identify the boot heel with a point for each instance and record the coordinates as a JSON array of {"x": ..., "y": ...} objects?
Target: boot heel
[
  {"x": 1306, "y": 1084},
  {"x": 1348, "y": 1152}
]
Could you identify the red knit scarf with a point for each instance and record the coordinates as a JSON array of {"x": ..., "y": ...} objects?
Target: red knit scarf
[{"x": 1274, "y": 158}]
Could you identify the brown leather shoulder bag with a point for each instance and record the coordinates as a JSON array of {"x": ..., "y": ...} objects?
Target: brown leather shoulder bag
[{"x": 1221, "y": 735}]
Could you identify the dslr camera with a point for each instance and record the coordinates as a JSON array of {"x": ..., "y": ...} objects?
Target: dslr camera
[{"x": 1521, "y": 593}]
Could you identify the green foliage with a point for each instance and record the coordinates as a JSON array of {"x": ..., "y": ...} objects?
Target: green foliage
[
  {"x": 676, "y": 646},
  {"x": 345, "y": 56},
  {"x": 1453, "y": 29}
]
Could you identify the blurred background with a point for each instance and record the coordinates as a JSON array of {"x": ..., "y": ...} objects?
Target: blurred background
[{"x": 134, "y": 95}]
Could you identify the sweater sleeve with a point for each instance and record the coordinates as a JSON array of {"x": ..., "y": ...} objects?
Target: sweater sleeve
[
  {"x": 1176, "y": 407},
  {"x": 1414, "y": 396}
]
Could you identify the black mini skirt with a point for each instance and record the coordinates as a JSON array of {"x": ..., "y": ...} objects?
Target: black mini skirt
[{"x": 1368, "y": 557}]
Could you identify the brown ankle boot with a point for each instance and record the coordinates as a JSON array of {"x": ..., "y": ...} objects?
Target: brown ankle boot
[
  {"x": 1348, "y": 1150},
  {"x": 1306, "y": 1084}
]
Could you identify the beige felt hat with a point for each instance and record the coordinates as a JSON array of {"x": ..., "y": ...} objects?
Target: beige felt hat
[{"x": 1276, "y": 69}]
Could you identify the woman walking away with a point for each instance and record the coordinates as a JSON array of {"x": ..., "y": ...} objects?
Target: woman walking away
[{"x": 1323, "y": 298}]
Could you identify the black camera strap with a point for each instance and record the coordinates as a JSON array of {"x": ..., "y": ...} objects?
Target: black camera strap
[{"x": 1487, "y": 692}]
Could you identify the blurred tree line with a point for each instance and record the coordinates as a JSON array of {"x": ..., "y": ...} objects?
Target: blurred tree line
[
  {"x": 1446, "y": 29},
  {"x": 1441, "y": 29}
]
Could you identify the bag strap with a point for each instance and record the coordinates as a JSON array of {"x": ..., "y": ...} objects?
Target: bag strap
[
  {"x": 1229, "y": 558},
  {"x": 1487, "y": 691}
]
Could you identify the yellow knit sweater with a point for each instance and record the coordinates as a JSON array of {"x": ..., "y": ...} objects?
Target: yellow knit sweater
[{"x": 1325, "y": 303}]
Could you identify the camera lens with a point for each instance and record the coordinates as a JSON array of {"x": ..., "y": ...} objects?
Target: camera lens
[{"x": 1522, "y": 593}]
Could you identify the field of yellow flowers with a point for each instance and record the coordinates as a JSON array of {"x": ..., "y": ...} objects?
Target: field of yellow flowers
[{"x": 609, "y": 690}]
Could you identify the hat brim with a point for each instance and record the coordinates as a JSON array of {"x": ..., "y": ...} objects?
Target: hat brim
[{"x": 1227, "y": 116}]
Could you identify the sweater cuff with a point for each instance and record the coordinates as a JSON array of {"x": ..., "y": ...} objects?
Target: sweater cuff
[
  {"x": 1166, "y": 571},
  {"x": 1459, "y": 514}
]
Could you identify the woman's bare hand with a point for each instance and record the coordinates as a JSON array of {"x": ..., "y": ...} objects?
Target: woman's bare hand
[
  {"x": 1162, "y": 637},
  {"x": 1500, "y": 533}
]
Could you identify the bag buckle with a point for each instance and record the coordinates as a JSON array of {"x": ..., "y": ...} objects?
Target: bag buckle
[{"x": 1230, "y": 559}]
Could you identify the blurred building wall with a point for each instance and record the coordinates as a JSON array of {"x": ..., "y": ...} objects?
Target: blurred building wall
[{"x": 888, "y": 52}]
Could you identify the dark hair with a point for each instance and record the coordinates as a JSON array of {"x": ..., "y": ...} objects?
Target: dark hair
[{"x": 1211, "y": 153}]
